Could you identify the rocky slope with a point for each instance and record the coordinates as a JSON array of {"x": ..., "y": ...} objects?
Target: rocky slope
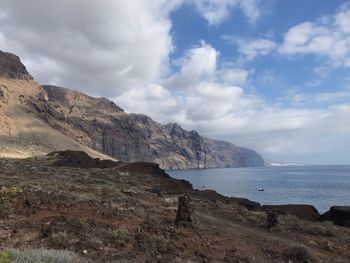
[
  {"x": 24, "y": 131},
  {"x": 127, "y": 213},
  {"x": 101, "y": 125}
]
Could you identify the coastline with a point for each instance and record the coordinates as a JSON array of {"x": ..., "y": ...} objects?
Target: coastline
[
  {"x": 114, "y": 211},
  {"x": 310, "y": 208}
]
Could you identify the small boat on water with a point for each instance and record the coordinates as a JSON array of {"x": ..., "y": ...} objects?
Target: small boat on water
[{"x": 261, "y": 189}]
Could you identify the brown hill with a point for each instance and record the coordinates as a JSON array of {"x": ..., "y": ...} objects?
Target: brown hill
[
  {"x": 23, "y": 130},
  {"x": 49, "y": 118}
]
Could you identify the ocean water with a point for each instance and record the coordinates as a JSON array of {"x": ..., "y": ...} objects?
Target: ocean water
[{"x": 320, "y": 186}]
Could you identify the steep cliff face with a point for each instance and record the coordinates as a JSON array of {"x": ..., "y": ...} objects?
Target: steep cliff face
[
  {"x": 12, "y": 68},
  {"x": 103, "y": 126},
  {"x": 51, "y": 118},
  {"x": 24, "y": 105}
]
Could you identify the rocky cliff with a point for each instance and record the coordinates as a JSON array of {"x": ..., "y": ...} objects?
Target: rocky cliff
[
  {"x": 11, "y": 67},
  {"x": 101, "y": 125}
]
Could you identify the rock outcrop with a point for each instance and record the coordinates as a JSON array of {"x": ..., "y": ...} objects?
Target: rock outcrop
[
  {"x": 11, "y": 67},
  {"x": 99, "y": 124},
  {"x": 184, "y": 211},
  {"x": 339, "y": 215},
  {"x": 80, "y": 159},
  {"x": 305, "y": 212}
]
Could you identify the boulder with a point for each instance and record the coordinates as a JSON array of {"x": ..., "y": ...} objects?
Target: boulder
[
  {"x": 339, "y": 215},
  {"x": 184, "y": 211},
  {"x": 271, "y": 219},
  {"x": 304, "y": 212},
  {"x": 79, "y": 159}
]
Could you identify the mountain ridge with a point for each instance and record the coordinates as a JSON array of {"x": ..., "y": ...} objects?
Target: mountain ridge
[{"x": 101, "y": 125}]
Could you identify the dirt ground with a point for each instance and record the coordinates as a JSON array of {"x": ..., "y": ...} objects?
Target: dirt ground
[{"x": 127, "y": 214}]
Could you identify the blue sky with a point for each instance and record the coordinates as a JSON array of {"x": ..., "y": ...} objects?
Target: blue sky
[
  {"x": 269, "y": 75},
  {"x": 276, "y": 19}
]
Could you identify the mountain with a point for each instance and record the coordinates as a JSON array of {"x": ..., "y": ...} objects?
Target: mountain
[
  {"x": 97, "y": 123},
  {"x": 24, "y": 132}
]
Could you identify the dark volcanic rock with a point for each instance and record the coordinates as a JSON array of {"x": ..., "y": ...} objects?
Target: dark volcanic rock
[
  {"x": 79, "y": 159},
  {"x": 184, "y": 211},
  {"x": 339, "y": 215},
  {"x": 214, "y": 196},
  {"x": 11, "y": 67},
  {"x": 144, "y": 168},
  {"x": 272, "y": 219},
  {"x": 305, "y": 212}
]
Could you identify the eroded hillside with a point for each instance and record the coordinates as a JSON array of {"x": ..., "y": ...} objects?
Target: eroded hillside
[{"x": 37, "y": 120}]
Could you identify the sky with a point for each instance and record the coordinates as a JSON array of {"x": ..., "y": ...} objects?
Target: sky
[{"x": 269, "y": 75}]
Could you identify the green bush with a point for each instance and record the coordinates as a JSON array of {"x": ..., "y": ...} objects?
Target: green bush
[
  {"x": 5, "y": 257},
  {"x": 117, "y": 237},
  {"x": 10, "y": 191}
]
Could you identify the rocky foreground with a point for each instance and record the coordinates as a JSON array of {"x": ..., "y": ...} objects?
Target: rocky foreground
[{"x": 67, "y": 207}]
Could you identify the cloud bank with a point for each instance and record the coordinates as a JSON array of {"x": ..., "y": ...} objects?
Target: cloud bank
[{"x": 122, "y": 50}]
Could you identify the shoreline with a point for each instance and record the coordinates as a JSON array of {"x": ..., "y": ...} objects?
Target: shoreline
[{"x": 310, "y": 210}]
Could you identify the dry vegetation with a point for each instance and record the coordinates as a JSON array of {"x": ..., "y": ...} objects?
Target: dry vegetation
[{"x": 65, "y": 214}]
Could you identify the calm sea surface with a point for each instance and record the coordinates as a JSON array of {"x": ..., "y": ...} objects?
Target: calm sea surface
[{"x": 321, "y": 186}]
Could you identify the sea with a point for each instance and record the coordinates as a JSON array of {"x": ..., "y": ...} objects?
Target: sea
[{"x": 320, "y": 186}]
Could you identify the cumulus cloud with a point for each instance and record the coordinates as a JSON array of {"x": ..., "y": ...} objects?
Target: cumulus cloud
[
  {"x": 100, "y": 46},
  {"x": 342, "y": 19},
  {"x": 216, "y": 11},
  {"x": 251, "y": 48},
  {"x": 224, "y": 110},
  {"x": 234, "y": 76},
  {"x": 328, "y": 37},
  {"x": 198, "y": 64},
  {"x": 252, "y": 9},
  {"x": 121, "y": 50},
  {"x": 111, "y": 46}
]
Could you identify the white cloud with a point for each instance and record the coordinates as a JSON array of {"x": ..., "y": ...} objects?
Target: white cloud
[
  {"x": 312, "y": 98},
  {"x": 216, "y": 11},
  {"x": 328, "y": 37},
  {"x": 109, "y": 47},
  {"x": 120, "y": 49},
  {"x": 251, "y": 48},
  {"x": 342, "y": 19},
  {"x": 199, "y": 64},
  {"x": 221, "y": 110},
  {"x": 251, "y": 9},
  {"x": 307, "y": 38},
  {"x": 234, "y": 76}
]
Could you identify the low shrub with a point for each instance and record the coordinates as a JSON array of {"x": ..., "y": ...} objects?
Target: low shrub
[
  {"x": 118, "y": 237},
  {"x": 300, "y": 253},
  {"x": 10, "y": 190},
  {"x": 5, "y": 257},
  {"x": 38, "y": 256}
]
